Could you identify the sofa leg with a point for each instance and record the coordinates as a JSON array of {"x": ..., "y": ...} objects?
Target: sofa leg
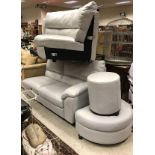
[{"x": 80, "y": 137}]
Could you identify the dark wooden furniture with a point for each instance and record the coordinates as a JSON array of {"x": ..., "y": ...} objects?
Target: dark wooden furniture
[{"x": 123, "y": 72}]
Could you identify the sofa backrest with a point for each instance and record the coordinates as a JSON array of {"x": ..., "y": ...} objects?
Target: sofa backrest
[
  {"x": 54, "y": 69},
  {"x": 73, "y": 72},
  {"x": 81, "y": 70},
  {"x": 73, "y": 23}
]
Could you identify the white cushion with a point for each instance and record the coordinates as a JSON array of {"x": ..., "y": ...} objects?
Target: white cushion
[
  {"x": 105, "y": 123},
  {"x": 72, "y": 19},
  {"x": 54, "y": 70},
  {"x": 104, "y": 92},
  {"x": 59, "y": 42},
  {"x": 81, "y": 70},
  {"x": 57, "y": 66},
  {"x": 63, "y": 32},
  {"x": 53, "y": 93},
  {"x": 70, "y": 80},
  {"x": 75, "y": 90},
  {"x": 35, "y": 83}
]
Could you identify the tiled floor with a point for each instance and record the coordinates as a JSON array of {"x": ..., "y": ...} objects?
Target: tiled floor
[{"x": 69, "y": 135}]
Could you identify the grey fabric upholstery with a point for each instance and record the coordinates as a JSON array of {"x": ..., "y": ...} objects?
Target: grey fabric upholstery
[
  {"x": 35, "y": 83},
  {"x": 56, "y": 41},
  {"x": 104, "y": 137},
  {"x": 105, "y": 123},
  {"x": 83, "y": 69},
  {"x": 53, "y": 93},
  {"x": 104, "y": 92},
  {"x": 71, "y": 105},
  {"x": 48, "y": 104},
  {"x": 75, "y": 90},
  {"x": 63, "y": 88},
  {"x": 104, "y": 129}
]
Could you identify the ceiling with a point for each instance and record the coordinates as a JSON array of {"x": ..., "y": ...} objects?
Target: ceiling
[{"x": 60, "y": 3}]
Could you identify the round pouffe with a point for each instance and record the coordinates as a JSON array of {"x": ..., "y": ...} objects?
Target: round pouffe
[
  {"x": 104, "y": 129},
  {"x": 104, "y": 92}
]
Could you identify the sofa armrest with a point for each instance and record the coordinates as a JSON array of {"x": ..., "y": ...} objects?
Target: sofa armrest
[
  {"x": 72, "y": 104},
  {"x": 33, "y": 66},
  {"x": 33, "y": 70},
  {"x": 75, "y": 90}
]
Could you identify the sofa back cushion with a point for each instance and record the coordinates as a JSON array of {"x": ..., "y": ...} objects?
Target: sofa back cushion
[
  {"x": 54, "y": 69},
  {"x": 81, "y": 70},
  {"x": 71, "y": 80},
  {"x": 73, "y": 23},
  {"x": 73, "y": 72}
]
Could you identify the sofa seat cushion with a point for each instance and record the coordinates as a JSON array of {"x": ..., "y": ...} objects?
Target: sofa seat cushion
[
  {"x": 54, "y": 92},
  {"x": 35, "y": 83},
  {"x": 59, "y": 42}
]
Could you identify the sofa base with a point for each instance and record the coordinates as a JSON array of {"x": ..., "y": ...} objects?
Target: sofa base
[
  {"x": 51, "y": 106},
  {"x": 103, "y": 137}
]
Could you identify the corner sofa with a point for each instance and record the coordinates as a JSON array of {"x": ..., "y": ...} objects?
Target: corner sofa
[
  {"x": 70, "y": 34},
  {"x": 63, "y": 88}
]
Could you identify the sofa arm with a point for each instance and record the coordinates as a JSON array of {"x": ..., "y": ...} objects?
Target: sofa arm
[
  {"x": 72, "y": 104},
  {"x": 34, "y": 66},
  {"x": 75, "y": 90},
  {"x": 33, "y": 70}
]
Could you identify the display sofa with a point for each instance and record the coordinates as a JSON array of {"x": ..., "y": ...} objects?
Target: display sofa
[
  {"x": 70, "y": 35},
  {"x": 63, "y": 88}
]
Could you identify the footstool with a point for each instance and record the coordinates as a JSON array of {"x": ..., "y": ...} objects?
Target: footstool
[
  {"x": 104, "y": 93},
  {"x": 104, "y": 129}
]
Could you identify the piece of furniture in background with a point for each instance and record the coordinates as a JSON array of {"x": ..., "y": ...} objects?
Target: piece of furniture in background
[
  {"x": 99, "y": 49},
  {"x": 118, "y": 50},
  {"x": 70, "y": 35},
  {"x": 123, "y": 73},
  {"x": 31, "y": 29},
  {"x": 31, "y": 65},
  {"x": 118, "y": 42},
  {"x": 63, "y": 88}
]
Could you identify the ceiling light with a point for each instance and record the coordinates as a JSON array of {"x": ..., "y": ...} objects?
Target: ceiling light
[
  {"x": 46, "y": 2},
  {"x": 123, "y": 2},
  {"x": 70, "y": 2}
]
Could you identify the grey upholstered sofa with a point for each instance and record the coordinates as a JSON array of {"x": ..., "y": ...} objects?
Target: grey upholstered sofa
[{"x": 63, "y": 89}]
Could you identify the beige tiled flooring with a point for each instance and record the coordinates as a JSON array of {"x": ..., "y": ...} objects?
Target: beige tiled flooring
[{"x": 68, "y": 134}]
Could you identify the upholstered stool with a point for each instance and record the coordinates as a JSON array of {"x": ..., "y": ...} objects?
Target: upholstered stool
[
  {"x": 104, "y": 93},
  {"x": 104, "y": 129}
]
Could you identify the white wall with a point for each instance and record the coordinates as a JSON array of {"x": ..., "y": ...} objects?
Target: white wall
[
  {"x": 106, "y": 15},
  {"x": 110, "y": 14},
  {"x": 30, "y": 14}
]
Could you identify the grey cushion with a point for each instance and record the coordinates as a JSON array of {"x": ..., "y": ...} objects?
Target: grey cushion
[
  {"x": 81, "y": 70},
  {"x": 104, "y": 92},
  {"x": 75, "y": 90},
  {"x": 53, "y": 93},
  {"x": 105, "y": 123},
  {"x": 104, "y": 137},
  {"x": 71, "y": 80},
  {"x": 78, "y": 19},
  {"x": 57, "y": 66},
  {"x": 35, "y": 83},
  {"x": 57, "y": 41}
]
